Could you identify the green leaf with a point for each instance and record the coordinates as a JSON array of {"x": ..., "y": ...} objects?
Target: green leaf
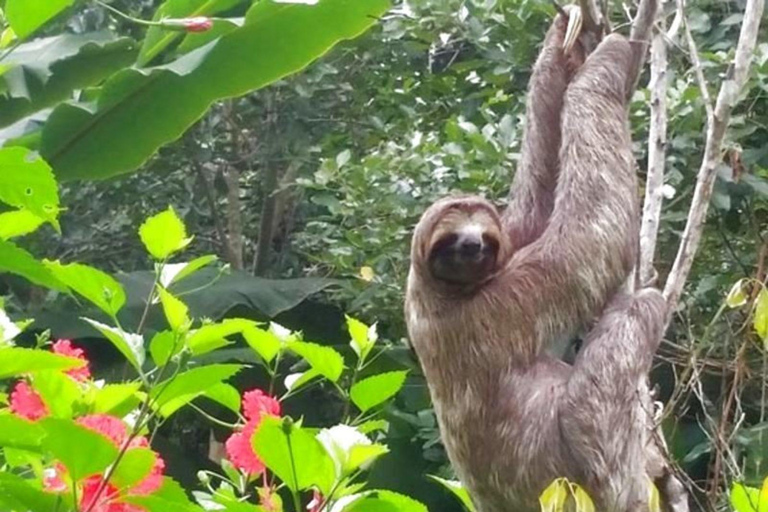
[
  {"x": 17, "y": 223},
  {"x": 17, "y": 493},
  {"x": 458, "y": 490},
  {"x": 294, "y": 455},
  {"x": 370, "y": 392},
  {"x": 749, "y": 499},
  {"x": 761, "y": 315},
  {"x": 46, "y": 71},
  {"x": 20, "y": 262},
  {"x": 226, "y": 395},
  {"x": 265, "y": 343},
  {"x": 363, "y": 454},
  {"x": 363, "y": 337},
  {"x": 130, "y": 345},
  {"x": 116, "y": 399},
  {"x": 107, "y": 140},
  {"x": 134, "y": 466},
  {"x": 26, "y": 16},
  {"x": 212, "y": 336},
  {"x": 163, "y": 346},
  {"x": 185, "y": 387},
  {"x": 94, "y": 285},
  {"x": 175, "y": 272},
  {"x": 27, "y": 182},
  {"x": 66, "y": 441},
  {"x": 373, "y": 425},
  {"x": 385, "y": 501},
  {"x": 553, "y": 498},
  {"x": 19, "y": 433},
  {"x": 18, "y": 361},
  {"x": 157, "y": 38},
  {"x": 164, "y": 234},
  {"x": 176, "y": 312},
  {"x": 58, "y": 391},
  {"x": 324, "y": 360}
]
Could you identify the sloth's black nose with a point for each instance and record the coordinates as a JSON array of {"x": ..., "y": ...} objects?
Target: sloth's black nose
[{"x": 470, "y": 246}]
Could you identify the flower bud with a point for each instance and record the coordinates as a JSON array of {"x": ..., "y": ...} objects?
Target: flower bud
[{"x": 197, "y": 24}]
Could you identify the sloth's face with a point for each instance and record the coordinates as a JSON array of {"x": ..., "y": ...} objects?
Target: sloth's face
[{"x": 464, "y": 246}]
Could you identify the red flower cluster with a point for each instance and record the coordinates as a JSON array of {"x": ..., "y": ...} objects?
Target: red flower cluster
[
  {"x": 94, "y": 494},
  {"x": 27, "y": 403},
  {"x": 256, "y": 405}
]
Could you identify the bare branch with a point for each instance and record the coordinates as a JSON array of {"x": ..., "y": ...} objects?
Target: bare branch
[
  {"x": 593, "y": 21},
  {"x": 657, "y": 144},
  {"x": 716, "y": 127},
  {"x": 640, "y": 35},
  {"x": 699, "y": 71}
]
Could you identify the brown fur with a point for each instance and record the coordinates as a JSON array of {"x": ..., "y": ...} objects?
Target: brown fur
[{"x": 511, "y": 417}]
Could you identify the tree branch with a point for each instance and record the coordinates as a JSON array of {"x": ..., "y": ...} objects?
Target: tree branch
[
  {"x": 657, "y": 145},
  {"x": 639, "y": 37},
  {"x": 716, "y": 127}
]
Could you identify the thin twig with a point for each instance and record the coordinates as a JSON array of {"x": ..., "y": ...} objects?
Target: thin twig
[{"x": 726, "y": 99}]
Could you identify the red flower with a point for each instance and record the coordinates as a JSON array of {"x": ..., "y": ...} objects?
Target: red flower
[
  {"x": 109, "y": 498},
  {"x": 65, "y": 348},
  {"x": 256, "y": 405},
  {"x": 27, "y": 403}
]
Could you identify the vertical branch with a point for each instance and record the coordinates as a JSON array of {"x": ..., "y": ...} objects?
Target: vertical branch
[
  {"x": 716, "y": 127},
  {"x": 234, "y": 219},
  {"x": 267, "y": 221},
  {"x": 657, "y": 145},
  {"x": 639, "y": 36}
]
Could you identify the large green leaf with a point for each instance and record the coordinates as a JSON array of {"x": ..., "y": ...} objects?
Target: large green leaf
[
  {"x": 183, "y": 388},
  {"x": 26, "y": 16},
  {"x": 17, "y": 493},
  {"x": 17, "y": 361},
  {"x": 131, "y": 345},
  {"x": 212, "y": 336},
  {"x": 17, "y": 223},
  {"x": 26, "y": 181},
  {"x": 370, "y": 392},
  {"x": 83, "y": 451},
  {"x": 294, "y": 455},
  {"x": 138, "y": 111},
  {"x": 47, "y": 71},
  {"x": 98, "y": 287},
  {"x": 18, "y": 261},
  {"x": 458, "y": 490},
  {"x": 17, "y": 432},
  {"x": 133, "y": 467},
  {"x": 157, "y": 39},
  {"x": 324, "y": 360}
]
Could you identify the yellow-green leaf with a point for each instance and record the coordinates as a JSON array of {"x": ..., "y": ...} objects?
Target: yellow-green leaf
[
  {"x": 553, "y": 498},
  {"x": 736, "y": 297},
  {"x": 164, "y": 234},
  {"x": 17, "y": 223},
  {"x": 761, "y": 315},
  {"x": 176, "y": 312}
]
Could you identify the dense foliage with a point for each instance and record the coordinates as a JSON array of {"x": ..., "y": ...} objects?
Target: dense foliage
[{"x": 305, "y": 186}]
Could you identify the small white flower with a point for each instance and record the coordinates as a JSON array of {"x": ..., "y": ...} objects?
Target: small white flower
[
  {"x": 169, "y": 272},
  {"x": 278, "y": 330},
  {"x": 8, "y": 329},
  {"x": 291, "y": 379},
  {"x": 338, "y": 441},
  {"x": 668, "y": 191}
]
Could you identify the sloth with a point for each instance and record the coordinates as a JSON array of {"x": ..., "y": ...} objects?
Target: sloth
[{"x": 487, "y": 292}]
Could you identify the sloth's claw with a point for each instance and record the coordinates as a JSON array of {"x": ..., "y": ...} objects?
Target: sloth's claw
[{"x": 575, "y": 21}]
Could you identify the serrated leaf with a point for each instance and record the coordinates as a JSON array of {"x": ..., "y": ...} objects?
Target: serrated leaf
[
  {"x": 185, "y": 387},
  {"x": 18, "y": 261},
  {"x": 163, "y": 346},
  {"x": 16, "y": 361},
  {"x": 224, "y": 394},
  {"x": 370, "y": 392},
  {"x": 130, "y": 345},
  {"x": 18, "y": 223},
  {"x": 176, "y": 312},
  {"x": 27, "y": 182},
  {"x": 16, "y": 432},
  {"x": 212, "y": 336},
  {"x": 363, "y": 337},
  {"x": 164, "y": 234},
  {"x": 98, "y": 287},
  {"x": 265, "y": 343},
  {"x": 457, "y": 489},
  {"x": 134, "y": 466},
  {"x": 58, "y": 391},
  {"x": 66, "y": 440},
  {"x": 17, "y": 493},
  {"x": 296, "y": 457},
  {"x": 761, "y": 315},
  {"x": 324, "y": 360},
  {"x": 116, "y": 398}
]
